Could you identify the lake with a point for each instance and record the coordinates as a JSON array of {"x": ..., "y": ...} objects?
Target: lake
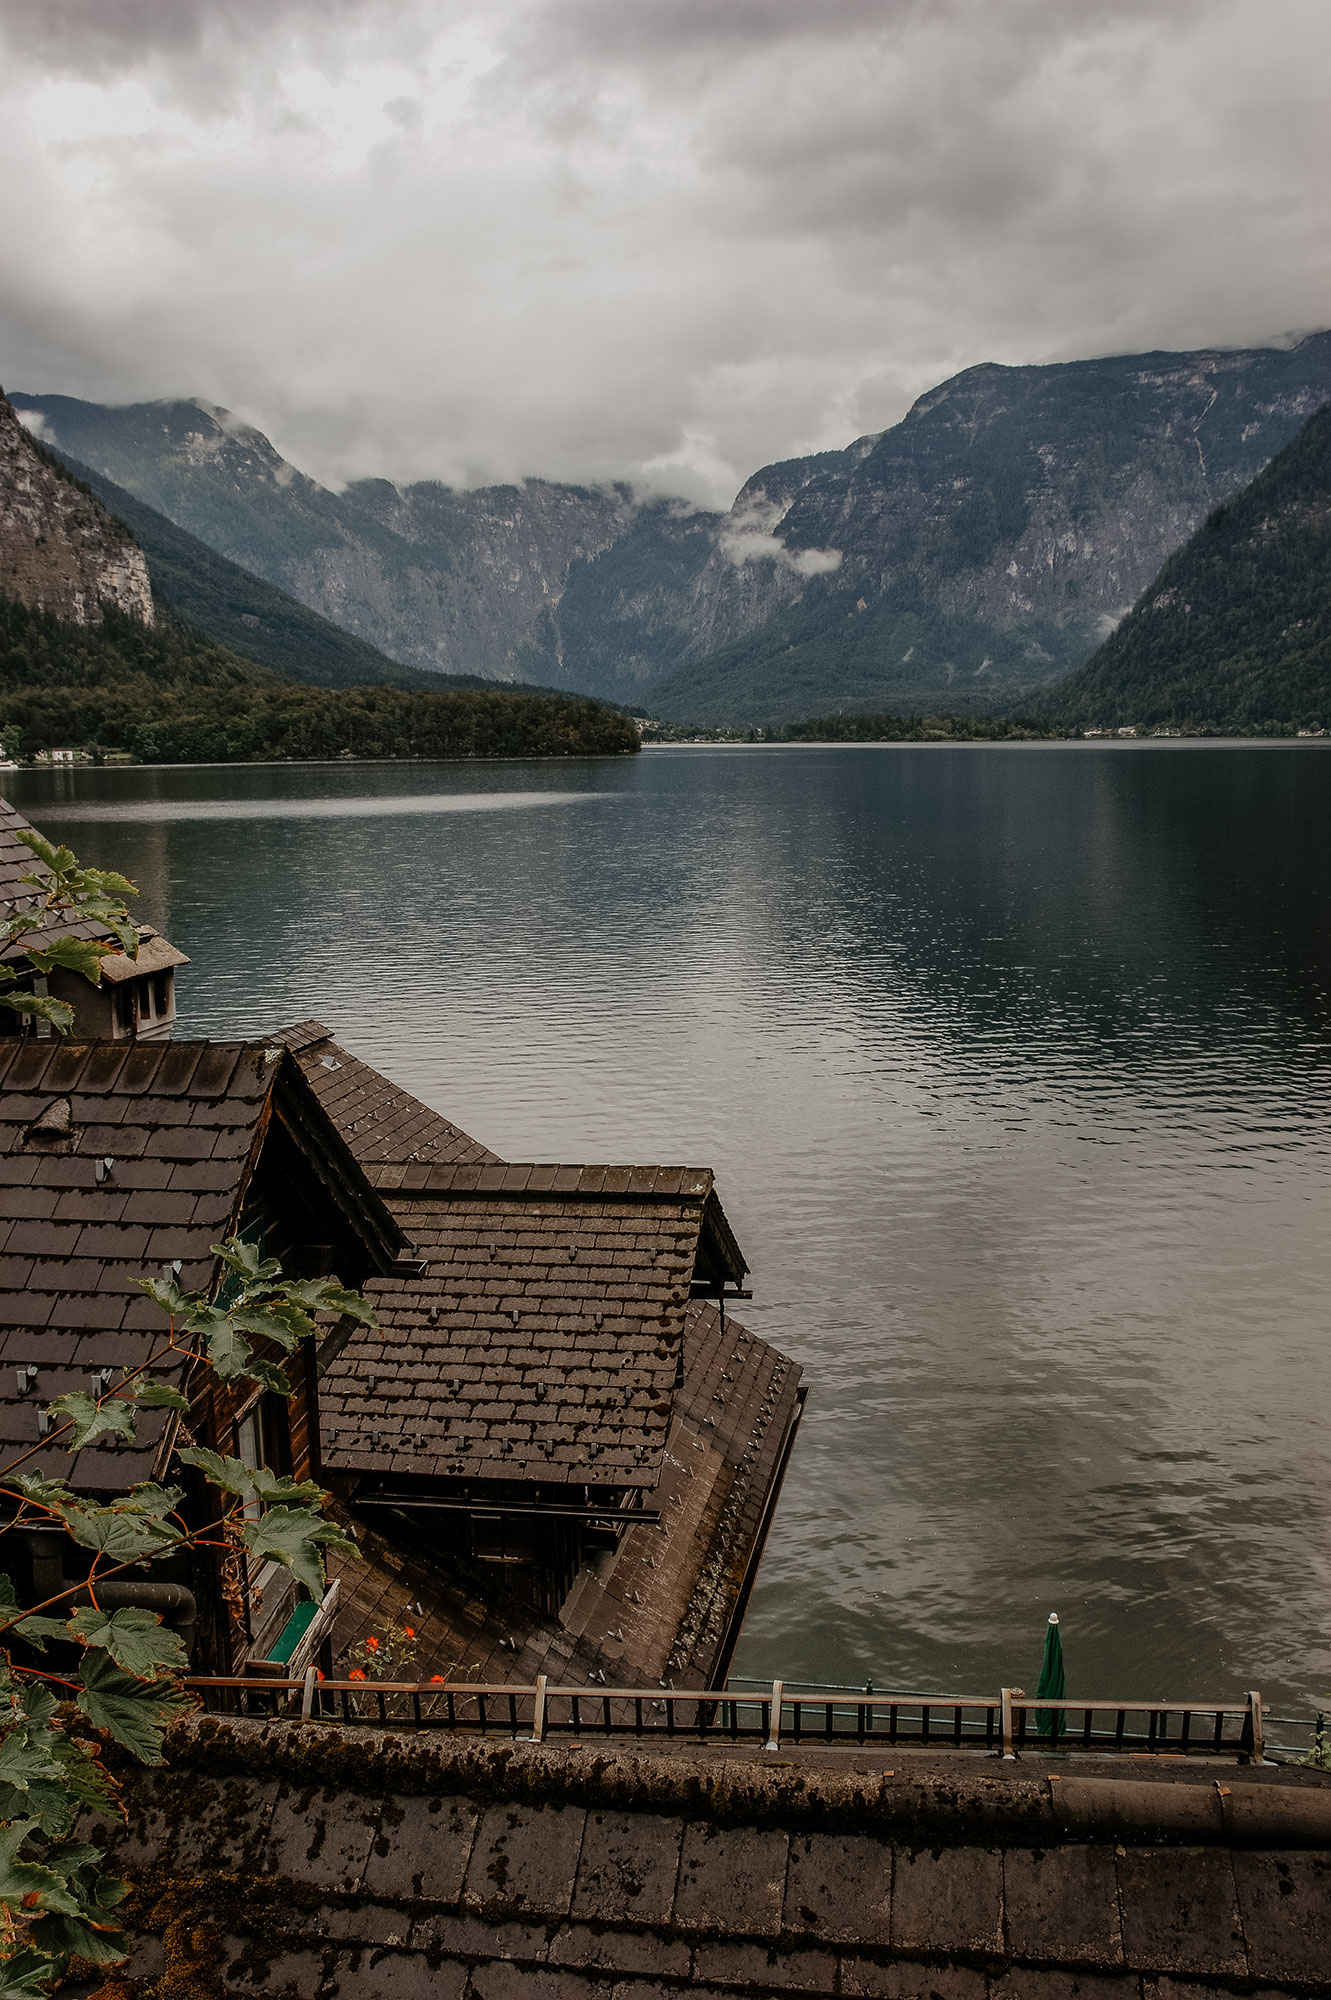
[{"x": 1013, "y": 1063}]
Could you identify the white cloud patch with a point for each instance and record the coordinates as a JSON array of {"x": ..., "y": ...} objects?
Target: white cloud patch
[
  {"x": 750, "y": 536},
  {"x": 664, "y": 242}
]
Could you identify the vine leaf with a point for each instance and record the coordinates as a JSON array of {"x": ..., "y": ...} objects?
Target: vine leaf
[
  {"x": 25, "y": 1976},
  {"x": 137, "y": 1713},
  {"x": 23, "y": 1884},
  {"x": 136, "y": 1639},
  {"x": 157, "y": 1395},
  {"x": 90, "y": 1418},
  {"x": 294, "y": 1537},
  {"x": 74, "y": 954}
]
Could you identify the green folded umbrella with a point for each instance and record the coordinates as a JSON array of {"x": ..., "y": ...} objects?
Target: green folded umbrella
[{"x": 1049, "y": 1721}]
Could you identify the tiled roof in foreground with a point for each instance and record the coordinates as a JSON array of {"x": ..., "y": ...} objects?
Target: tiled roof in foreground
[
  {"x": 116, "y": 1158},
  {"x": 665, "y": 1601},
  {"x": 276, "y": 1859},
  {"x": 382, "y": 1124},
  {"x": 541, "y": 1340}
]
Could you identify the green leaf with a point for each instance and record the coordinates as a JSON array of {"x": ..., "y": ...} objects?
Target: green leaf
[
  {"x": 157, "y": 1395},
  {"x": 156, "y": 1501},
  {"x": 67, "y": 1937},
  {"x": 88, "y": 1784},
  {"x": 166, "y": 1293},
  {"x": 38, "y": 1630},
  {"x": 326, "y": 1295},
  {"x": 25, "y": 1976},
  {"x": 294, "y": 1536},
  {"x": 243, "y": 1258},
  {"x": 39, "y": 1007},
  {"x": 136, "y": 1639},
  {"x": 228, "y": 1473},
  {"x": 271, "y": 1487},
  {"x": 136, "y": 1712},
  {"x": 20, "y": 1880},
  {"x": 90, "y": 1418},
  {"x": 269, "y": 1374},
  {"x": 122, "y": 1530},
  {"x": 56, "y": 858},
  {"x": 47, "y": 1492},
  {"x": 25, "y": 1759},
  {"x": 266, "y": 1323},
  {"x": 83, "y": 955},
  {"x": 228, "y": 1352}
]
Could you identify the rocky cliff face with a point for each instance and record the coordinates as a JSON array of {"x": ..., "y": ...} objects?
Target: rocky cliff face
[
  {"x": 60, "y": 550},
  {"x": 454, "y": 582},
  {"x": 991, "y": 539}
]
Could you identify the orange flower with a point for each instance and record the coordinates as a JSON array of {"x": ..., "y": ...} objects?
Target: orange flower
[
  {"x": 410, "y": 1631},
  {"x": 356, "y": 1674},
  {"x": 372, "y": 1644},
  {"x": 437, "y": 1677}
]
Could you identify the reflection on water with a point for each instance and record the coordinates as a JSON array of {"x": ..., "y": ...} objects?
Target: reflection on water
[
  {"x": 1014, "y": 1064},
  {"x": 144, "y": 812}
]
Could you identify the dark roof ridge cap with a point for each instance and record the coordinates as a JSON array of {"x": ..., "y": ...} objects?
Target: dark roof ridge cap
[
  {"x": 518, "y": 1179},
  {"x": 302, "y": 1035}
]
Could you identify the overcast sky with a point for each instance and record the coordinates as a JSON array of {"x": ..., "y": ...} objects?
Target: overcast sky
[{"x": 666, "y": 240}]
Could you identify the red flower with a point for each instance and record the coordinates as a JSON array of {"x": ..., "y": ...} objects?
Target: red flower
[
  {"x": 437, "y": 1677},
  {"x": 410, "y": 1631},
  {"x": 318, "y": 1673},
  {"x": 372, "y": 1644},
  {"x": 356, "y": 1674}
]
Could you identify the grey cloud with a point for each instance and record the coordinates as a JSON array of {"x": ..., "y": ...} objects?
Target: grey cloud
[{"x": 665, "y": 241}]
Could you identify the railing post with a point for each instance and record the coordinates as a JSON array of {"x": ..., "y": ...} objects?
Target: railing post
[
  {"x": 307, "y": 1694},
  {"x": 774, "y": 1732},
  {"x": 1005, "y": 1703},
  {"x": 1254, "y": 1729},
  {"x": 538, "y": 1712}
]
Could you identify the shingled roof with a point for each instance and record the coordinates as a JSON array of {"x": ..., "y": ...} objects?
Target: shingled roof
[
  {"x": 116, "y": 1158},
  {"x": 382, "y": 1124},
  {"x": 540, "y": 1341},
  {"x": 667, "y": 1600},
  {"x": 155, "y": 954},
  {"x": 16, "y": 861}
]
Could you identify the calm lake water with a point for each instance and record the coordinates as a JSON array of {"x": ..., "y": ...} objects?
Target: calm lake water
[{"x": 1014, "y": 1066}]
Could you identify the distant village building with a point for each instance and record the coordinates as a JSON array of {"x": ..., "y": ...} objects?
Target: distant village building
[{"x": 560, "y": 1453}]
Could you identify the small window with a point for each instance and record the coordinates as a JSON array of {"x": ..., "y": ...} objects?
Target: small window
[
  {"x": 161, "y": 986},
  {"x": 126, "y": 1016}
]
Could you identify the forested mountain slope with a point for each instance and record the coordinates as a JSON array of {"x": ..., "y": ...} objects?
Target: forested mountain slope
[{"x": 1236, "y": 629}]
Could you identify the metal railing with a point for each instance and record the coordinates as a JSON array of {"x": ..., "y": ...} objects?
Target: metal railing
[{"x": 774, "y": 1715}]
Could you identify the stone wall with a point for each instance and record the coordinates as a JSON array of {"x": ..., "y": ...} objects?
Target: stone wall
[{"x": 318, "y": 1865}]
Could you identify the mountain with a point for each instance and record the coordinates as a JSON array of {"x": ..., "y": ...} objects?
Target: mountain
[
  {"x": 984, "y": 546},
  {"x": 89, "y": 658},
  {"x": 60, "y": 551},
  {"x": 1236, "y": 629},
  {"x": 987, "y": 543},
  {"x": 226, "y": 604},
  {"x": 446, "y": 581}
]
